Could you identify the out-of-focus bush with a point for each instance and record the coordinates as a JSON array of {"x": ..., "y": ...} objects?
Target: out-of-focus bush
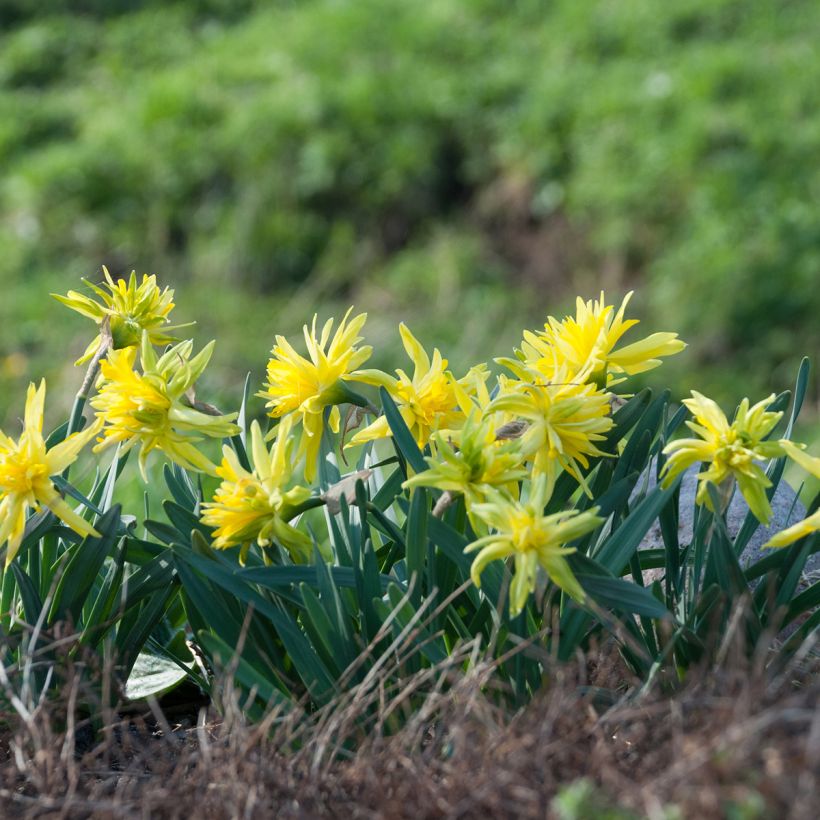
[{"x": 411, "y": 157}]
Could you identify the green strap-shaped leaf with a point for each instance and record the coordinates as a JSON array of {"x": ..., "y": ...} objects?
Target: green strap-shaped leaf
[
  {"x": 32, "y": 605},
  {"x": 83, "y": 567},
  {"x": 276, "y": 577},
  {"x": 227, "y": 657},
  {"x": 402, "y": 437},
  {"x": 416, "y": 529},
  {"x": 97, "y": 623},
  {"x": 319, "y": 626},
  {"x": 616, "y": 551},
  {"x": 313, "y": 673},
  {"x": 156, "y": 574},
  {"x": 130, "y": 641},
  {"x": 386, "y": 494},
  {"x": 184, "y": 520}
]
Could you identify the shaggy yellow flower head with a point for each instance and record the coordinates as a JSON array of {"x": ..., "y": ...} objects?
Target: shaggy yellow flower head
[
  {"x": 534, "y": 539},
  {"x": 255, "y": 506},
  {"x": 152, "y": 408},
  {"x": 306, "y": 386},
  {"x": 472, "y": 460},
  {"x": 586, "y": 344},
  {"x": 808, "y": 525},
  {"x": 565, "y": 420},
  {"x": 731, "y": 450},
  {"x": 26, "y": 467},
  {"x": 433, "y": 399},
  {"x": 130, "y": 309}
]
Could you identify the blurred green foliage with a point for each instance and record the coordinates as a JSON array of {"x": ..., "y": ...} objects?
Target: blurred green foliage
[{"x": 465, "y": 165}]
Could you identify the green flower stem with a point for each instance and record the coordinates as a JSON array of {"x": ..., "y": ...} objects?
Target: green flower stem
[{"x": 76, "y": 416}]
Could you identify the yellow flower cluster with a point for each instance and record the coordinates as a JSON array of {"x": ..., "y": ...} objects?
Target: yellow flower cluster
[
  {"x": 733, "y": 453},
  {"x": 129, "y": 308},
  {"x": 500, "y": 443},
  {"x": 26, "y": 467},
  {"x": 304, "y": 387},
  {"x": 253, "y": 505},
  {"x": 154, "y": 408},
  {"x": 532, "y": 539},
  {"x": 431, "y": 400},
  {"x": 547, "y": 418},
  {"x": 583, "y": 347}
]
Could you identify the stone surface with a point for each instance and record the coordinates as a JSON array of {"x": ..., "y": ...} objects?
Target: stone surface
[{"x": 786, "y": 510}]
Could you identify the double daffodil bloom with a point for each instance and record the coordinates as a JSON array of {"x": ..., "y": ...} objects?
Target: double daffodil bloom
[
  {"x": 731, "y": 451},
  {"x": 565, "y": 420},
  {"x": 306, "y": 387},
  {"x": 255, "y": 506},
  {"x": 433, "y": 399},
  {"x": 26, "y": 467},
  {"x": 471, "y": 461},
  {"x": 130, "y": 309},
  {"x": 586, "y": 344},
  {"x": 533, "y": 539},
  {"x": 152, "y": 409},
  {"x": 810, "y": 524}
]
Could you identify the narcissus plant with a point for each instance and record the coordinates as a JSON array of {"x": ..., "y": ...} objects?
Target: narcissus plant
[{"x": 26, "y": 467}]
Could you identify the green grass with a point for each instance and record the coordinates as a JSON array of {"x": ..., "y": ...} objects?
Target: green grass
[{"x": 467, "y": 166}]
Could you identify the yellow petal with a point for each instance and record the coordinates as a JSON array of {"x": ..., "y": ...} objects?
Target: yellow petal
[
  {"x": 492, "y": 552},
  {"x": 378, "y": 429},
  {"x": 35, "y": 400},
  {"x": 795, "y": 532},
  {"x": 66, "y": 514},
  {"x": 415, "y": 351},
  {"x": 809, "y": 463},
  {"x": 63, "y": 454}
]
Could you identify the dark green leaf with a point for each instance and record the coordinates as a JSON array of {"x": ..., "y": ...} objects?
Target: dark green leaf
[
  {"x": 83, "y": 567},
  {"x": 402, "y": 437}
]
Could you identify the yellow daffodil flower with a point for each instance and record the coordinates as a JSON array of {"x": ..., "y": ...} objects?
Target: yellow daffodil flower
[
  {"x": 152, "y": 408},
  {"x": 564, "y": 420},
  {"x": 534, "y": 539},
  {"x": 433, "y": 399},
  {"x": 26, "y": 467},
  {"x": 586, "y": 344},
  {"x": 130, "y": 309},
  {"x": 810, "y": 524},
  {"x": 254, "y": 506},
  {"x": 731, "y": 450},
  {"x": 472, "y": 460},
  {"x": 306, "y": 387}
]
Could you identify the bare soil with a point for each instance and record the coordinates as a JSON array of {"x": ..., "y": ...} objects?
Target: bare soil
[{"x": 729, "y": 744}]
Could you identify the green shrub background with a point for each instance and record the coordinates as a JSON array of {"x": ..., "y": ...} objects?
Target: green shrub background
[{"x": 465, "y": 165}]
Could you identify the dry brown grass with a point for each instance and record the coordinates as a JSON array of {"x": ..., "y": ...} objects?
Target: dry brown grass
[{"x": 731, "y": 737}]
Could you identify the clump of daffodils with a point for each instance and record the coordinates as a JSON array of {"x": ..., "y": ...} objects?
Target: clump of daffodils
[
  {"x": 733, "y": 451},
  {"x": 129, "y": 308},
  {"x": 26, "y": 467},
  {"x": 152, "y": 407},
  {"x": 499, "y": 443},
  {"x": 550, "y": 417},
  {"x": 254, "y": 505},
  {"x": 304, "y": 387}
]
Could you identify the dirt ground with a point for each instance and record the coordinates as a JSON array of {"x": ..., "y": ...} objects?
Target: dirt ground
[{"x": 729, "y": 744}]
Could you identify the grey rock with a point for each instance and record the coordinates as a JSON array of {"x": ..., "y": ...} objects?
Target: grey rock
[{"x": 786, "y": 510}]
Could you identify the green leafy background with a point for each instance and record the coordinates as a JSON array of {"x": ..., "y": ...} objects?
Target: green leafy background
[{"x": 464, "y": 158}]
